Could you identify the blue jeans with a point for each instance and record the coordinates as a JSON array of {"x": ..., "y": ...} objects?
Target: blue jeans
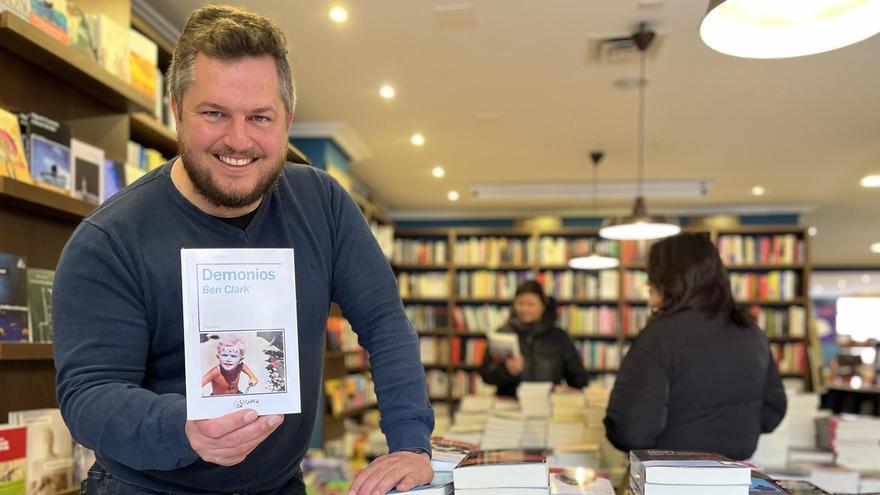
[{"x": 100, "y": 482}]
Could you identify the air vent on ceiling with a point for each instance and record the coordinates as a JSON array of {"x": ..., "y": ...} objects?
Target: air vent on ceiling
[
  {"x": 603, "y": 49},
  {"x": 455, "y": 16}
]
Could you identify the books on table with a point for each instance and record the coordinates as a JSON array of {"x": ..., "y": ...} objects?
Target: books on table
[
  {"x": 440, "y": 485},
  {"x": 240, "y": 331},
  {"x": 447, "y": 453},
  {"x": 668, "y": 472},
  {"x": 507, "y": 469}
]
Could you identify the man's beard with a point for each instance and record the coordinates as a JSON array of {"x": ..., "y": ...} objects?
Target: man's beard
[{"x": 205, "y": 185}]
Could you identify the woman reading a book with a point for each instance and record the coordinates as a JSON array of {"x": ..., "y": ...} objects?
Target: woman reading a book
[
  {"x": 700, "y": 376},
  {"x": 541, "y": 351}
]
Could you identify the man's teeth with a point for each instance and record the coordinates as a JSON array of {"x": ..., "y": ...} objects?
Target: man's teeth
[{"x": 234, "y": 161}]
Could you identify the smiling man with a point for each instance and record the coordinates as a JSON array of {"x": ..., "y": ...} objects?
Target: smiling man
[{"x": 119, "y": 326}]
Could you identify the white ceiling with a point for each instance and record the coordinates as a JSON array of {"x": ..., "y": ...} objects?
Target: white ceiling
[{"x": 514, "y": 99}]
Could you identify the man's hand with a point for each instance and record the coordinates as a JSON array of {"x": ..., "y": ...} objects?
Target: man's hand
[
  {"x": 514, "y": 365},
  {"x": 227, "y": 440},
  {"x": 401, "y": 470}
]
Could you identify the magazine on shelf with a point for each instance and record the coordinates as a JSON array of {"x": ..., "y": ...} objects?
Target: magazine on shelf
[
  {"x": 47, "y": 147},
  {"x": 240, "y": 331},
  {"x": 87, "y": 168},
  {"x": 13, "y": 162}
]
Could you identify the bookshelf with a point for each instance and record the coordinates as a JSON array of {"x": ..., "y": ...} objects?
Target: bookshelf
[{"x": 447, "y": 273}]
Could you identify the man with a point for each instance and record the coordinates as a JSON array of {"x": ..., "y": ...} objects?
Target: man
[{"x": 119, "y": 338}]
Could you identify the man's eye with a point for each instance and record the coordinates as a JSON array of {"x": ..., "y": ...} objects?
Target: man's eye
[
  {"x": 212, "y": 114},
  {"x": 260, "y": 118}
]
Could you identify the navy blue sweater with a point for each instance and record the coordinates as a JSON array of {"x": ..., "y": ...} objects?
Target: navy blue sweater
[{"x": 119, "y": 331}]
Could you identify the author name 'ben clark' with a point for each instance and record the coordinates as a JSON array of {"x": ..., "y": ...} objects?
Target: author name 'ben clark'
[{"x": 251, "y": 275}]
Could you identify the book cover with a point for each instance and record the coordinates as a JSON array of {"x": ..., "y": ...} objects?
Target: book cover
[
  {"x": 86, "y": 165},
  {"x": 13, "y": 298},
  {"x": 673, "y": 467},
  {"x": 39, "y": 283},
  {"x": 79, "y": 32},
  {"x": 13, "y": 459},
  {"x": 503, "y": 344},
  {"x": 446, "y": 453},
  {"x": 440, "y": 485},
  {"x": 502, "y": 468},
  {"x": 13, "y": 162},
  {"x": 240, "y": 331},
  {"x": 47, "y": 148},
  {"x": 21, "y": 8},
  {"x": 49, "y": 449},
  {"x": 51, "y": 18},
  {"x": 143, "y": 57},
  {"x": 114, "y": 178},
  {"x": 111, "y": 45},
  {"x": 132, "y": 174}
]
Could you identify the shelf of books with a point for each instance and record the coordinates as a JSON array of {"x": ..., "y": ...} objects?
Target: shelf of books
[{"x": 458, "y": 284}]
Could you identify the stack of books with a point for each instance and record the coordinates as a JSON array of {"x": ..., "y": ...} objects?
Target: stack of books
[
  {"x": 502, "y": 472},
  {"x": 669, "y": 472},
  {"x": 856, "y": 441}
]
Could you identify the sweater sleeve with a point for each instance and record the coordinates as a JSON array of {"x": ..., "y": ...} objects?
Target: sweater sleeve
[
  {"x": 775, "y": 402},
  {"x": 495, "y": 373},
  {"x": 637, "y": 409},
  {"x": 102, "y": 341},
  {"x": 575, "y": 374},
  {"x": 364, "y": 287}
]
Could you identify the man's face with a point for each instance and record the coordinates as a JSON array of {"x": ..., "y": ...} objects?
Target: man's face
[
  {"x": 229, "y": 357},
  {"x": 233, "y": 130}
]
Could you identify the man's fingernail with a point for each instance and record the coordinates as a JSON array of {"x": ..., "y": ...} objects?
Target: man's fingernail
[
  {"x": 352, "y": 492},
  {"x": 250, "y": 416},
  {"x": 275, "y": 421}
]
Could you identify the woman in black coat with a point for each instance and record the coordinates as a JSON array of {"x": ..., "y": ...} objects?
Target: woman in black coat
[
  {"x": 700, "y": 376},
  {"x": 547, "y": 352}
]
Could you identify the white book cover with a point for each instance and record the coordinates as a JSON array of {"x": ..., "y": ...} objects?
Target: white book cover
[
  {"x": 240, "y": 331},
  {"x": 87, "y": 170},
  {"x": 505, "y": 344}
]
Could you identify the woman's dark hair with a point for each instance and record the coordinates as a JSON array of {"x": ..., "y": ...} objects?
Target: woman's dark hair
[
  {"x": 535, "y": 287},
  {"x": 688, "y": 272}
]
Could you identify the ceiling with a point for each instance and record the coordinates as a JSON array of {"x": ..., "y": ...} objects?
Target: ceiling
[{"x": 509, "y": 95}]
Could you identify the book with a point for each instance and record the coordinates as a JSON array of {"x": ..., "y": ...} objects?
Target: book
[
  {"x": 39, "y": 297},
  {"x": 47, "y": 147},
  {"x": 578, "y": 481},
  {"x": 111, "y": 44},
  {"x": 13, "y": 459},
  {"x": 502, "y": 491},
  {"x": 49, "y": 449},
  {"x": 143, "y": 58},
  {"x": 13, "y": 298},
  {"x": 502, "y": 468},
  {"x": 762, "y": 483},
  {"x": 79, "y": 32},
  {"x": 240, "y": 331},
  {"x": 440, "y": 485},
  {"x": 800, "y": 487},
  {"x": 21, "y": 8},
  {"x": 51, "y": 18},
  {"x": 13, "y": 162},
  {"x": 447, "y": 453},
  {"x": 671, "y": 467},
  {"x": 87, "y": 167},
  {"x": 659, "y": 489},
  {"x": 114, "y": 178},
  {"x": 503, "y": 344}
]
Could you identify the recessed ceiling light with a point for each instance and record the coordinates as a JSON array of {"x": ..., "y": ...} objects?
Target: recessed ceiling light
[
  {"x": 453, "y": 195},
  {"x": 758, "y": 191},
  {"x": 866, "y": 279},
  {"x": 387, "y": 92},
  {"x": 338, "y": 14},
  {"x": 841, "y": 284},
  {"x": 812, "y": 231},
  {"x": 870, "y": 181},
  {"x": 438, "y": 172},
  {"x": 875, "y": 248},
  {"x": 417, "y": 139}
]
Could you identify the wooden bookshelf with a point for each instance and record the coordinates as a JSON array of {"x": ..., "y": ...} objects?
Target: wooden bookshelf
[
  {"x": 42, "y": 201},
  {"x": 25, "y": 351}
]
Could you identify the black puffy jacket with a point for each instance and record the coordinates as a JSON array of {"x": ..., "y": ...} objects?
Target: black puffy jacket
[
  {"x": 693, "y": 382},
  {"x": 548, "y": 353}
]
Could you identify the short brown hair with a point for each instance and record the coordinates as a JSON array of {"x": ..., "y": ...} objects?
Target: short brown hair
[{"x": 229, "y": 33}]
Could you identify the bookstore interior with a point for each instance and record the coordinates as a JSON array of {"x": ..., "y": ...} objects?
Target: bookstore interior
[{"x": 748, "y": 122}]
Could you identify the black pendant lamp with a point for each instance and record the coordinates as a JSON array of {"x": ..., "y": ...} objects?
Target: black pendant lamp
[{"x": 594, "y": 261}]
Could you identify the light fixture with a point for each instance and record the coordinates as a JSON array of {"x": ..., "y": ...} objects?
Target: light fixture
[
  {"x": 338, "y": 14},
  {"x": 866, "y": 279},
  {"x": 387, "y": 92},
  {"x": 870, "y": 181},
  {"x": 453, "y": 196},
  {"x": 787, "y": 28},
  {"x": 875, "y": 248},
  {"x": 438, "y": 172},
  {"x": 639, "y": 225},
  {"x": 417, "y": 139},
  {"x": 812, "y": 231},
  {"x": 594, "y": 261},
  {"x": 758, "y": 191}
]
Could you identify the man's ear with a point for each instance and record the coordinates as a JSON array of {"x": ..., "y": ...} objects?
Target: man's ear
[{"x": 175, "y": 109}]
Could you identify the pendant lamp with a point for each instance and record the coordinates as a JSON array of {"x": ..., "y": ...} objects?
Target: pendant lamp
[
  {"x": 594, "y": 261},
  {"x": 787, "y": 28},
  {"x": 640, "y": 225}
]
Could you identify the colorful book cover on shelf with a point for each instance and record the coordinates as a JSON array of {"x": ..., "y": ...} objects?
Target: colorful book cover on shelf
[
  {"x": 111, "y": 45},
  {"x": 114, "y": 178},
  {"x": 47, "y": 147},
  {"x": 50, "y": 451},
  {"x": 21, "y": 8},
  {"x": 13, "y": 459},
  {"x": 133, "y": 173},
  {"x": 13, "y": 298},
  {"x": 236, "y": 357},
  {"x": 51, "y": 18},
  {"x": 39, "y": 283},
  {"x": 87, "y": 167},
  {"x": 13, "y": 162},
  {"x": 143, "y": 57},
  {"x": 79, "y": 32}
]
